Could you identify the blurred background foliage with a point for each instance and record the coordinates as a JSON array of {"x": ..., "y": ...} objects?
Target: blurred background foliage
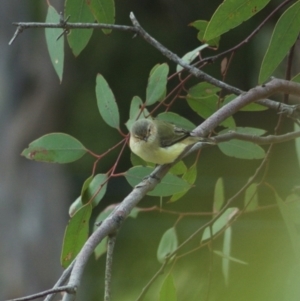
[{"x": 34, "y": 197}]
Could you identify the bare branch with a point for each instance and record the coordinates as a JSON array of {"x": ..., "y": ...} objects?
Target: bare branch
[
  {"x": 257, "y": 93},
  {"x": 112, "y": 223},
  {"x": 21, "y": 26},
  {"x": 67, "y": 288},
  {"x": 282, "y": 108},
  {"x": 257, "y": 139},
  {"x": 63, "y": 278},
  {"x": 175, "y": 58},
  {"x": 108, "y": 267},
  {"x": 246, "y": 40}
]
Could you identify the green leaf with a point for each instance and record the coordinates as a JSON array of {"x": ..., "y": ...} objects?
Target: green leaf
[
  {"x": 86, "y": 184},
  {"x": 178, "y": 169},
  {"x": 207, "y": 106},
  {"x": 226, "y": 252},
  {"x": 55, "y": 47},
  {"x": 102, "y": 246},
  {"x": 176, "y": 119},
  {"x": 220, "y": 223},
  {"x": 169, "y": 185},
  {"x": 75, "y": 206},
  {"x": 230, "y": 14},
  {"x": 202, "y": 90},
  {"x": 285, "y": 34},
  {"x": 135, "y": 111},
  {"x": 291, "y": 226},
  {"x": 252, "y": 197},
  {"x": 96, "y": 190},
  {"x": 134, "y": 212},
  {"x": 293, "y": 205},
  {"x": 103, "y": 11},
  {"x": 296, "y": 78},
  {"x": 168, "y": 243},
  {"x": 106, "y": 103},
  {"x": 201, "y": 25},
  {"x": 55, "y": 148},
  {"x": 252, "y": 107},
  {"x": 190, "y": 177},
  {"x": 221, "y": 254},
  {"x": 136, "y": 160},
  {"x": 204, "y": 107},
  {"x": 78, "y": 12},
  {"x": 168, "y": 290},
  {"x": 190, "y": 56},
  {"x": 219, "y": 195},
  {"x": 157, "y": 83},
  {"x": 76, "y": 235},
  {"x": 243, "y": 149},
  {"x": 297, "y": 142}
]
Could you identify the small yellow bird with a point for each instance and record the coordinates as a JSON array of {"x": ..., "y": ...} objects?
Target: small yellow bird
[{"x": 160, "y": 142}]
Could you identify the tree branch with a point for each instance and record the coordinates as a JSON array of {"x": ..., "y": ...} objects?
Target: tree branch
[
  {"x": 257, "y": 93},
  {"x": 63, "y": 278},
  {"x": 21, "y": 26},
  {"x": 246, "y": 40},
  {"x": 257, "y": 139},
  {"x": 67, "y": 288},
  {"x": 137, "y": 29},
  {"x": 108, "y": 268}
]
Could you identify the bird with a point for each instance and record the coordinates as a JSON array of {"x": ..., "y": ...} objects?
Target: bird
[{"x": 160, "y": 142}]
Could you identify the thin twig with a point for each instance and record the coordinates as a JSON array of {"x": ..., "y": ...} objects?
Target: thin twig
[
  {"x": 175, "y": 58},
  {"x": 257, "y": 139},
  {"x": 147, "y": 286},
  {"x": 108, "y": 267},
  {"x": 63, "y": 278},
  {"x": 70, "y": 25},
  {"x": 17, "y": 32},
  {"x": 246, "y": 40},
  {"x": 68, "y": 288}
]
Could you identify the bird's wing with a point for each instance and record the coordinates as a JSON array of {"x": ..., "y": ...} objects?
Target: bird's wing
[{"x": 170, "y": 134}]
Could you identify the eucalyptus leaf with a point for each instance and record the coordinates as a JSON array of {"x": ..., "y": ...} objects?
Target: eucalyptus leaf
[
  {"x": 285, "y": 34},
  {"x": 169, "y": 185},
  {"x": 176, "y": 119},
  {"x": 157, "y": 83},
  {"x": 220, "y": 223},
  {"x": 79, "y": 12},
  {"x": 168, "y": 290},
  {"x": 191, "y": 55},
  {"x": 230, "y": 14},
  {"x": 168, "y": 243},
  {"x": 106, "y": 102},
  {"x": 201, "y": 25},
  {"x": 55, "y": 46},
  {"x": 219, "y": 195},
  {"x": 76, "y": 235},
  {"x": 55, "y": 148},
  {"x": 103, "y": 11}
]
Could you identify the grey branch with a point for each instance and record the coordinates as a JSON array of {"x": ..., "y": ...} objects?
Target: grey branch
[
  {"x": 253, "y": 95},
  {"x": 62, "y": 280},
  {"x": 257, "y": 139},
  {"x": 111, "y": 224},
  {"x": 108, "y": 267},
  {"x": 257, "y": 94},
  {"x": 137, "y": 29},
  {"x": 68, "y": 289},
  {"x": 66, "y": 25}
]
